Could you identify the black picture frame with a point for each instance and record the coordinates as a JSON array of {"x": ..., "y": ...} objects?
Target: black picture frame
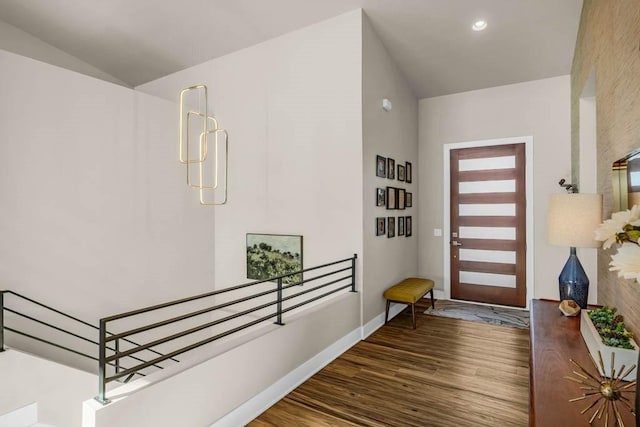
[
  {"x": 401, "y": 198},
  {"x": 391, "y": 167},
  {"x": 409, "y": 200},
  {"x": 381, "y": 197},
  {"x": 408, "y": 172},
  {"x": 381, "y": 226},
  {"x": 401, "y": 172},
  {"x": 407, "y": 227},
  {"x": 401, "y": 226},
  {"x": 381, "y": 166},
  {"x": 392, "y": 198},
  {"x": 391, "y": 226}
]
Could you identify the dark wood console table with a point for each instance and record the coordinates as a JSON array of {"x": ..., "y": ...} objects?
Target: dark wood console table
[{"x": 554, "y": 340}]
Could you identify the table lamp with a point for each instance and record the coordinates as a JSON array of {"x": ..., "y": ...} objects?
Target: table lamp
[{"x": 572, "y": 220}]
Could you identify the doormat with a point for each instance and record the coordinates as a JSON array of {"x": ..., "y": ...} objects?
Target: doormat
[{"x": 503, "y": 316}]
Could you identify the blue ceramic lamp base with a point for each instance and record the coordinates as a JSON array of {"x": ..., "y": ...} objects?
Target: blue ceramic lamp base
[{"x": 573, "y": 281}]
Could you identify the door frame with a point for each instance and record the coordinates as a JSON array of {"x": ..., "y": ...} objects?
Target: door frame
[{"x": 528, "y": 141}]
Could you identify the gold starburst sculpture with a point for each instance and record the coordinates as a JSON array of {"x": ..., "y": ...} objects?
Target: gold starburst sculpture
[{"x": 608, "y": 393}]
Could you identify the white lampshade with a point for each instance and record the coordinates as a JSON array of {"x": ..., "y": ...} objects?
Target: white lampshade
[{"x": 573, "y": 219}]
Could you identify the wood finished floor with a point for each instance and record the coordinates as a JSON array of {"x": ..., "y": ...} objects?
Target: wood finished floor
[{"x": 446, "y": 373}]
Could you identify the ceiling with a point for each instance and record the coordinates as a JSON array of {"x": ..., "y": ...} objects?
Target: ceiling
[{"x": 431, "y": 41}]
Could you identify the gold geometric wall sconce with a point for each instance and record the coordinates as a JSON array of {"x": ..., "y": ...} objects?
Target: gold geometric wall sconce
[{"x": 206, "y": 166}]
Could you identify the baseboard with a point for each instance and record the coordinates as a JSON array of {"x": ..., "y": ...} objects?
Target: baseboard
[
  {"x": 438, "y": 294},
  {"x": 251, "y": 409}
]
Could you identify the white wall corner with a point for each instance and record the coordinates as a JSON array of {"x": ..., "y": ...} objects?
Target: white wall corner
[
  {"x": 378, "y": 321},
  {"x": 439, "y": 294}
]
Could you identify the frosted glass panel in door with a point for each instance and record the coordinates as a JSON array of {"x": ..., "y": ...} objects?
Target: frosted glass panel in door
[
  {"x": 487, "y": 163},
  {"x": 484, "y": 255},
  {"x": 479, "y": 209},
  {"x": 497, "y": 186},
  {"x": 488, "y": 279},
  {"x": 503, "y": 233}
]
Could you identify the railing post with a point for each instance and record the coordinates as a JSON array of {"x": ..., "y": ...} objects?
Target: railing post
[
  {"x": 117, "y": 360},
  {"x": 102, "y": 365},
  {"x": 1, "y": 321},
  {"x": 279, "y": 319},
  {"x": 353, "y": 272}
]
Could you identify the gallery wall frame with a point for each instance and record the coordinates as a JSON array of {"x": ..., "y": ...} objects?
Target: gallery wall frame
[
  {"x": 401, "y": 172},
  {"x": 401, "y": 197},
  {"x": 391, "y": 167},
  {"x": 271, "y": 255},
  {"x": 381, "y": 166},
  {"x": 409, "y": 200},
  {"x": 408, "y": 225},
  {"x": 392, "y": 198},
  {"x": 380, "y": 226},
  {"x": 401, "y": 226},
  {"x": 381, "y": 197},
  {"x": 408, "y": 172},
  {"x": 391, "y": 226}
]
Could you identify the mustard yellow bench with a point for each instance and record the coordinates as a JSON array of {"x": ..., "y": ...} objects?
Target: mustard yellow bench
[{"x": 409, "y": 291}]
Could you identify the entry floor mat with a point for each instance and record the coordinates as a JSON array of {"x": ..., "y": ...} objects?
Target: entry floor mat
[{"x": 504, "y": 316}]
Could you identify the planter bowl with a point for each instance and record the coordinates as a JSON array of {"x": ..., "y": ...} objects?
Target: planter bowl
[{"x": 626, "y": 357}]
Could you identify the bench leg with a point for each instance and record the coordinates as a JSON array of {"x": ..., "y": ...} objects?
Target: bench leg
[
  {"x": 386, "y": 313},
  {"x": 413, "y": 315},
  {"x": 432, "y": 304}
]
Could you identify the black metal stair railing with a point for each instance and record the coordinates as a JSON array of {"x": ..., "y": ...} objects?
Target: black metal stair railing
[
  {"x": 48, "y": 325},
  {"x": 252, "y": 309}
]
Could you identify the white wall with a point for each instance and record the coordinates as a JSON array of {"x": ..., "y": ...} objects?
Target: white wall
[
  {"x": 95, "y": 218},
  {"x": 58, "y": 390},
  {"x": 101, "y": 180},
  {"x": 17, "y": 41},
  {"x": 539, "y": 108},
  {"x": 390, "y": 134},
  {"x": 292, "y": 106}
]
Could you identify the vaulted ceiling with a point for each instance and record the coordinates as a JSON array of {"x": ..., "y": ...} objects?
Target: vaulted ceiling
[{"x": 431, "y": 41}]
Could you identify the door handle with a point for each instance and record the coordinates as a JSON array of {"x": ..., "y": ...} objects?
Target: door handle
[{"x": 455, "y": 243}]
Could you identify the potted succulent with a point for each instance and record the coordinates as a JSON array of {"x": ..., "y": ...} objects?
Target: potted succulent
[{"x": 603, "y": 330}]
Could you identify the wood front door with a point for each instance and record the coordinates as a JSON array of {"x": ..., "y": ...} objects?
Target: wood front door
[{"x": 488, "y": 224}]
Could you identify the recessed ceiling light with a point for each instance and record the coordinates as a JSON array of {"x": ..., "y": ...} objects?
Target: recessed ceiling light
[{"x": 479, "y": 25}]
